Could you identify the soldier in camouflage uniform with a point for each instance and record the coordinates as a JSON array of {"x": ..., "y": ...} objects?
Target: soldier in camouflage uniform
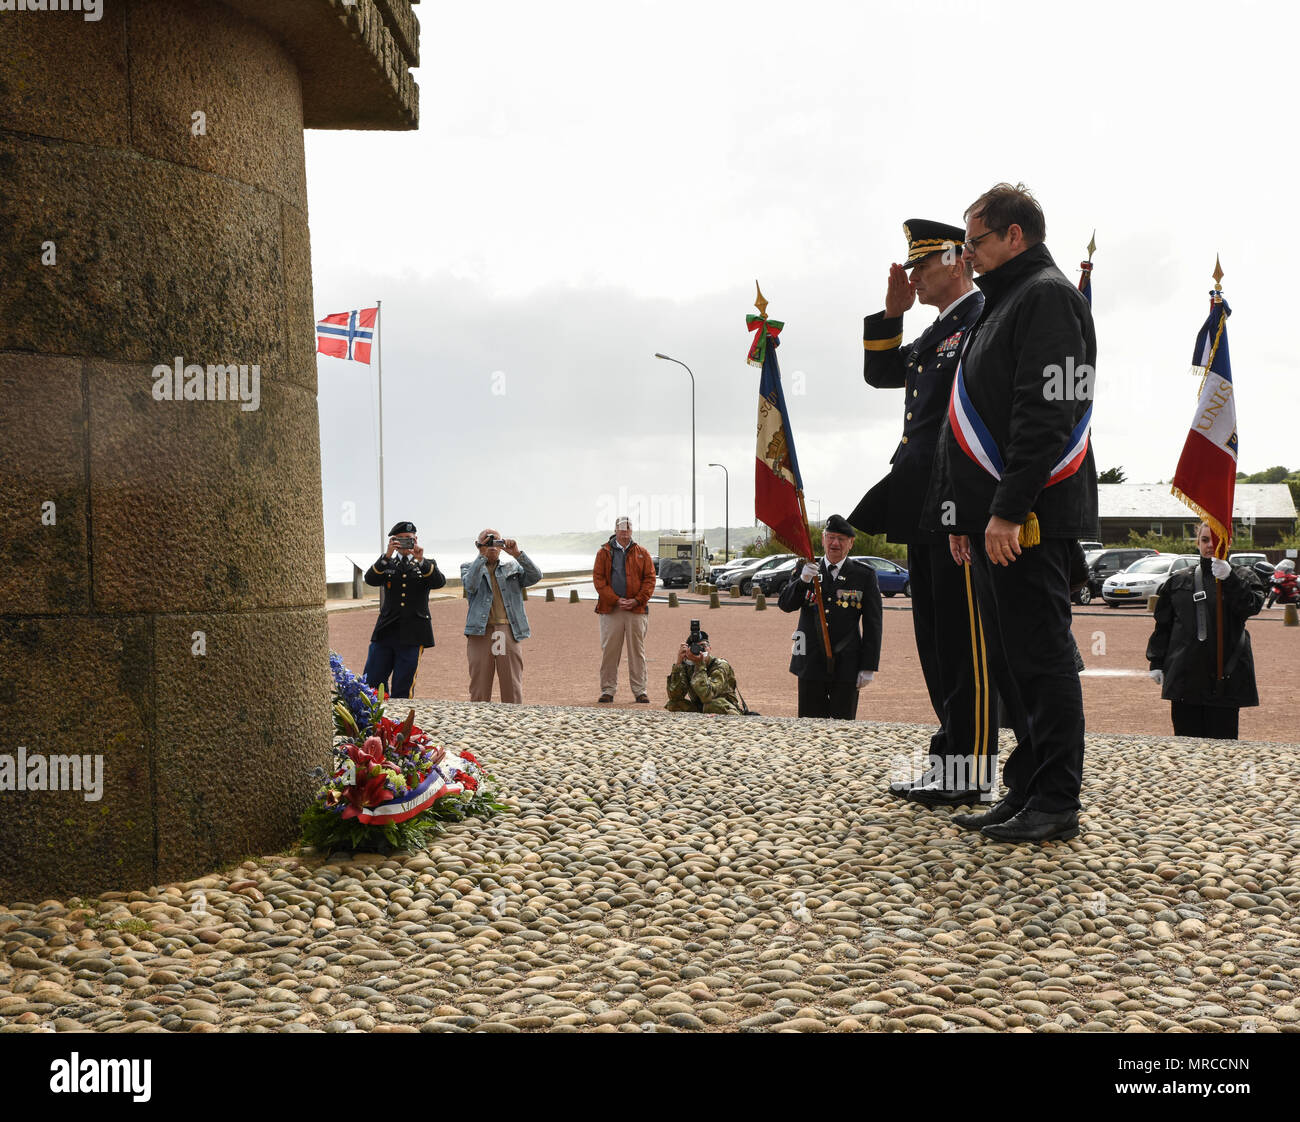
[{"x": 702, "y": 684}]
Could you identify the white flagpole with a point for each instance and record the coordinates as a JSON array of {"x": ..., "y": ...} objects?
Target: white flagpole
[{"x": 379, "y": 366}]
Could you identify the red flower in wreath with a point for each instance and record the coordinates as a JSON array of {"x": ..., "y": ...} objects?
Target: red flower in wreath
[
  {"x": 366, "y": 754},
  {"x": 367, "y": 792},
  {"x": 466, "y": 780}
]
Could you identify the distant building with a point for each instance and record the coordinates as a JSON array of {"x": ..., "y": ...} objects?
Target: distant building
[{"x": 1261, "y": 513}]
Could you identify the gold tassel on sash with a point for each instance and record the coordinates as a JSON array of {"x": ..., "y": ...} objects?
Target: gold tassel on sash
[{"x": 1029, "y": 534}]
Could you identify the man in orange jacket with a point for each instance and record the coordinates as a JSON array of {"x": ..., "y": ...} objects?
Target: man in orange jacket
[{"x": 624, "y": 575}]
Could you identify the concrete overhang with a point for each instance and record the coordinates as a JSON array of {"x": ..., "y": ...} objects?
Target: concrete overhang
[{"x": 353, "y": 57}]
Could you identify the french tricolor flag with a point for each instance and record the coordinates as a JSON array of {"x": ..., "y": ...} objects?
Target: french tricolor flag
[
  {"x": 347, "y": 334},
  {"x": 778, "y": 487},
  {"x": 1206, "y": 479}
]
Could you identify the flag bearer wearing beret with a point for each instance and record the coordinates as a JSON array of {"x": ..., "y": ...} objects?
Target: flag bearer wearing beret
[{"x": 851, "y": 595}]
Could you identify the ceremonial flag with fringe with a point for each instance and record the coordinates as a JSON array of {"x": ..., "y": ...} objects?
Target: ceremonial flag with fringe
[
  {"x": 777, "y": 482},
  {"x": 1206, "y": 479}
]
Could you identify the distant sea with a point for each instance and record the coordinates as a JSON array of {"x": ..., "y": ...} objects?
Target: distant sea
[{"x": 338, "y": 566}]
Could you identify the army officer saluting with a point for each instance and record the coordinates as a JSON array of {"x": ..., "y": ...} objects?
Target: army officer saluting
[{"x": 945, "y": 617}]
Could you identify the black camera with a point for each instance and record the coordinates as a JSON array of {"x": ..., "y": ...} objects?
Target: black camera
[
  {"x": 404, "y": 541},
  {"x": 696, "y": 641},
  {"x": 488, "y": 543}
]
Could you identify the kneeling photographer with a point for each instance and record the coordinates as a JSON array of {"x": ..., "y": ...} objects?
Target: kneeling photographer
[{"x": 700, "y": 683}]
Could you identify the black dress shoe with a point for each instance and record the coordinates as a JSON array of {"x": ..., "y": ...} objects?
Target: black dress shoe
[
  {"x": 999, "y": 812},
  {"x": 1035, "y": 826},
  {"x": 938, "y": 795},
  {"x": 902, "y": 789}
]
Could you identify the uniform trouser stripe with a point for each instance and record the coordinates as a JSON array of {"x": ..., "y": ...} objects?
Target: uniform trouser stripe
[{"x": 979, "y": 663}]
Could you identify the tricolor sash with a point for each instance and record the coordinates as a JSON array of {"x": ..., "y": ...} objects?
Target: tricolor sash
[{"x": 974, "y": 438}]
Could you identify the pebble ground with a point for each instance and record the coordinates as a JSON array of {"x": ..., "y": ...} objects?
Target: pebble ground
[{"x": 665, "y": 872}]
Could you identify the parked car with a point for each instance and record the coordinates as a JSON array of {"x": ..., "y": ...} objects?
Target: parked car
[
  {"x": 716, "y": 573},
  {"x": 1104, "y": 563},
  {"x": 892, "y": 577},
  {"x": 1250, "y": 560},
  {"x": 742, "y": 576},
  {"x": 1145, "y": 577},
  {"x": 675, "y": 572},
  {"x": 771, "y": 581},
  {"x": 1089, "y": 546},
  {"x": 732, "y": 574}
]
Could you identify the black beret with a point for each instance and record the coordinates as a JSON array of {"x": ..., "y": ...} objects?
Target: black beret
[
  {"x": 835, "y": 524},
  {"x": 402, "y": 528}
]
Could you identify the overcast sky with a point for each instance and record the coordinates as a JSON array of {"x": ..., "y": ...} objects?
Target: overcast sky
[{"x": 593, "y": 182}]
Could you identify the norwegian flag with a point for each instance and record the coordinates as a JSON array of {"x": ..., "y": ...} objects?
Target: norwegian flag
[{"x": 347, "y": 334}]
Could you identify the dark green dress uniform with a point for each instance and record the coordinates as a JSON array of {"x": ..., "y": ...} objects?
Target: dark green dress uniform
[
  {"x": 853, "y": 618},
  {"x": 403, "y": 629},
  {"x": 945, "y": 617}
]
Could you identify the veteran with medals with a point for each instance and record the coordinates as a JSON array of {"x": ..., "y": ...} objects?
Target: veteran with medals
[
  {"x": 851, "y": 597},
  {"x": 962, "y": 762}
]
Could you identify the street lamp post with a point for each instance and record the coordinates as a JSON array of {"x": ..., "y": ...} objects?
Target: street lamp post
[
  {"x": 726, "y": 517},
  {"x": 692, "y": 374}
]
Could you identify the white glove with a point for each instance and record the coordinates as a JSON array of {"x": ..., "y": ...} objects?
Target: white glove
[
  {"x": 1220, "y": 568},
  {"x": 1158, "y": 676},
  {"x": 810, "y": 569},
  {"x": 864, "y": 677}
]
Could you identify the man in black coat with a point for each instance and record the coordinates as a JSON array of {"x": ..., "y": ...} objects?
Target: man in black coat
[
  {"x": 962, "y": 763},
  {"x": 851, "y": 596},
  {"x": 1014, "y": 484},
  {"x": 403, "y": 629},
  {"x": 1183, "y": 650}
]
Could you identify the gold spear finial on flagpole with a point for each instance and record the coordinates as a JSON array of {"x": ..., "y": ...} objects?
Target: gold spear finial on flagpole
[
  {"x": 760, "y": 302},
  {"x": 1092, "y": 245},
  {"x": 1217, "y": 274}
]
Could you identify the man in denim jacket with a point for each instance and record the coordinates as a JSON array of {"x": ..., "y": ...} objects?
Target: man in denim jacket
[{"x": 495, "y": 623}]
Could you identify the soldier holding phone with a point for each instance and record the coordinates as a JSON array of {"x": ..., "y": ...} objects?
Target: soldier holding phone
[{"x": 403, "y": 629}]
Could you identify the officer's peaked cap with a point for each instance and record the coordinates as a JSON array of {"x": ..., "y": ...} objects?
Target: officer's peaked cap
[{"x": 925, "y": 237}]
